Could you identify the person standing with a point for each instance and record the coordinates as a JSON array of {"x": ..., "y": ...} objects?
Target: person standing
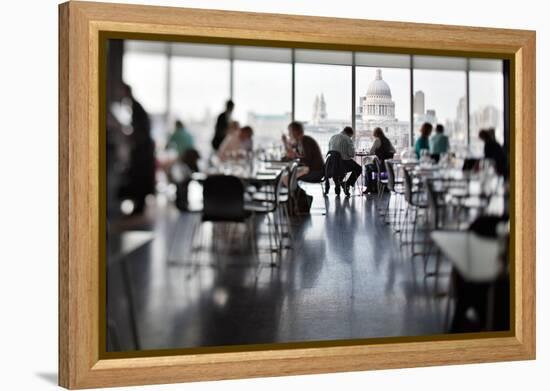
[
  {"x": 439, "y": 143},
  {"x": 222, "y": 124},
  {"x": 423, "y": 142},
  {"x": 494, "y": 151},
  {"x": 343, "y": 144},
  {"x": 180, "y": 140},
  {"x": 140, "y": 175}
]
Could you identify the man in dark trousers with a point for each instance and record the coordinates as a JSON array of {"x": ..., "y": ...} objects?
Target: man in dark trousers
[
  {"x": 222, "y": 123},
  {"x": 343, "y": 144}
]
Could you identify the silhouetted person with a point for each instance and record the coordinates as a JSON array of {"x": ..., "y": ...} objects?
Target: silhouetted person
[
  {"x": 383, "y": 149},
  {"x": 423, "y": 142},
  {"x": 305, "y": 148},
  {"x": 343, "y": 144},
  {"x": 439, "y": 143},
  {"x": 494, "y": 151},
  {"x": 183, "y": 143},
  {"x": 180, "y": 140},
  {"x": 187, "y": 162},
  {"x": 139, "y": 180},
  {"x": 222, "y": 124},
  {"x": 312, "y": 165}
]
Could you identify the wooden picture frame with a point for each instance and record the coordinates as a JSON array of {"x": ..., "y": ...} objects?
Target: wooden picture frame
[{"x": 81, "y": 159}]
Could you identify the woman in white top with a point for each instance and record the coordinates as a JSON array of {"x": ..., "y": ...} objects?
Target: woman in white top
[{"x": 237, "y": 143}]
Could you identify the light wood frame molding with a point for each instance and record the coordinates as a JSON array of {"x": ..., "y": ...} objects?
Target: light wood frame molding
[{"x": 80, "y": 244}]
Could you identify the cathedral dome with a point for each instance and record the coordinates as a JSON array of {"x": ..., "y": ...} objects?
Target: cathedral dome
[{"x": 378, "y": 87}]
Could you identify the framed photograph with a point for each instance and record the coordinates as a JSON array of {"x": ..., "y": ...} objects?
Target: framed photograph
[{"x": 248, "y": 195}]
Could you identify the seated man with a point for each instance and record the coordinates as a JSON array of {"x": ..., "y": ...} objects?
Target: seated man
[
  {"x": 305, "y": 148},
  {"x": 343, "y": 144}
]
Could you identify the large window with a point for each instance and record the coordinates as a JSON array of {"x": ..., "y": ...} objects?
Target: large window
[
  {"x": 191, "y": 82},
  {"x": 486, "y": 106},
  {"x": 323, "y": 100},
  {"x": 382, "y": 97},
  {"x": 150, "y": 90},
  {"x": 444, "y": 95},
  {"x": 263, "y": 98},
  {"x": 198, "y": 91}
]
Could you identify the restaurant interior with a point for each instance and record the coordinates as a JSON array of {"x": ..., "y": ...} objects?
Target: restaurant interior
[{"x": 270, "y": 195}]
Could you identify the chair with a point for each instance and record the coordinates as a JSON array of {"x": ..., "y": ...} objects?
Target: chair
[
  {"x": 293, "y": 188},
  {"x": 223, "y": 202},
  {"x": 223, "y": 199},
  {"x": 276, "y": 204},
  {"x": 334, "y": 170},
  {"x": 395, "y": 186},
  {"x": 435, "y": 222},
  {"x": 414, "y": 203},
  {"x": 381, "y": 182}
]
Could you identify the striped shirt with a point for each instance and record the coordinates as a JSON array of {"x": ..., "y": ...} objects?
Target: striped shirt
[{"x": 343, "y": 144}]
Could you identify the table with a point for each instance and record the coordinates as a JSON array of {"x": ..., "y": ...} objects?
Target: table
[
  {"x": 477, "y": 263},
  {"x": 263, "y": 174},
  {"x": 475, "y": 258}
]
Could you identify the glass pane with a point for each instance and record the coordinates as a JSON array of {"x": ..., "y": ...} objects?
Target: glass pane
[
  {"x": 440, "y": 63},
  {"x": 486, "y": 106},
  {"x": 382, "y": 60},
  {"x": 263, "y": 98},
  {"x": 198, "y": 50},
  {"x": 146, "y": 74},
  {"x": 199, "y": 89},
  {"x": 383, "y": 100},
  {"x": 331, "y": 57},
  {"x": 263, "y": 54},
  {"x": 440, "y": 98},
  {"x": 323, "y": 100}
]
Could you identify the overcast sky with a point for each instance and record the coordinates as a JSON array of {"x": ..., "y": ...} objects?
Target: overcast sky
[{"x": 265, "y": 88}]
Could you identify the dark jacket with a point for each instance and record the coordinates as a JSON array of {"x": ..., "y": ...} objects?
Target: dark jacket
[
  {"x": 311, "y": 155},
  {"x": 494, "y": 151},
  {"x": 333, "y": 165},
  {"x": 222, "y": 123}
]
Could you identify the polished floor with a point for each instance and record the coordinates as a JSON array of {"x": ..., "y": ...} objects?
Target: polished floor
[{"x": 345, "y": 277}]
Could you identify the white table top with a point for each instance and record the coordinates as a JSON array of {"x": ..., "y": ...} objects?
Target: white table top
[{"x": 475, "y": 258}]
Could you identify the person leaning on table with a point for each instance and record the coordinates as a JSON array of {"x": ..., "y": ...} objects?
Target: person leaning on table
[
  {"x": 305, "y": 148},
  {"x": 383, "y": 149}
]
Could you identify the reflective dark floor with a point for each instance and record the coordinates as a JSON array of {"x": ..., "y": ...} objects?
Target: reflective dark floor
[{"x": 346, "y": 277}]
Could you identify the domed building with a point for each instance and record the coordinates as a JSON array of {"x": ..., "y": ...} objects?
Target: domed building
[
  {"x": 377, "y": 109},
  {"x": 378, "y": 105}
]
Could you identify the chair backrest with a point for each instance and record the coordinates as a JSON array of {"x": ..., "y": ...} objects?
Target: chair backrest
[
  {"x": 380, "y": 173},
  {"x": 433, "y": 204},
  {"x": 378, "y": 168},
  {"x": 391, "y": 175},
  {"x": 470, "y": 164},
  {"x": 280, "y": 182},
  {"x": 293, "y": 178},
  {"x": 334, "y": 165},
  {"x": 407, "y": 181},
  {"x": 223, "y": 199}
]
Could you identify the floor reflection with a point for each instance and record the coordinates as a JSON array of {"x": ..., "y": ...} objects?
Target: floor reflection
[{"x": 346, "y": 277}]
